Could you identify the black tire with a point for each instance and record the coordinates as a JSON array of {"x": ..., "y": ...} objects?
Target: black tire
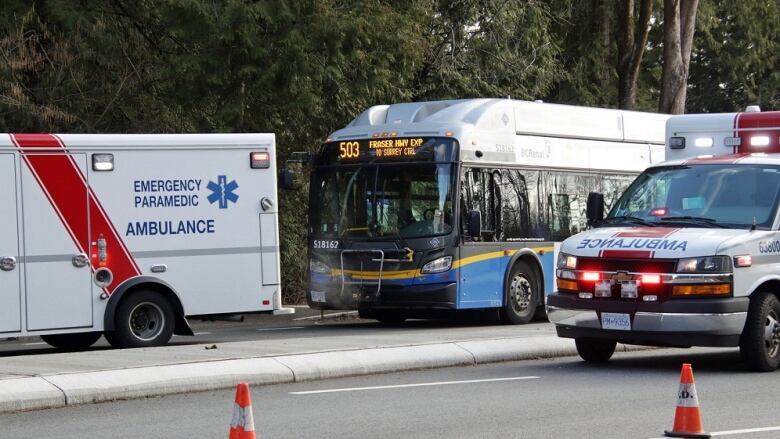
[
  {"x": 594, "y": 350},
  {"x": 759, "y": 345},
  {"x": 143, "y": 319},
  {"x": 521, "y": 295},
  {"x": 72, "y": 342},
  {"x": 390, "y": 317}
]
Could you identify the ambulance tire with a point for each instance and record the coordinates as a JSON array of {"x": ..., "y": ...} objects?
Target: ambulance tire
[
  {"x": 143, "y": 319},
  {"x": 72, "y": 342},
  {"x": 594, "y": 350},
  {"x": 521, "y": 295},
  {"x": 759, "y": 345}
]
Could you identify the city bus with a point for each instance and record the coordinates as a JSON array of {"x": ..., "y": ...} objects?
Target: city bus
[{"x": 461, "y": 204}]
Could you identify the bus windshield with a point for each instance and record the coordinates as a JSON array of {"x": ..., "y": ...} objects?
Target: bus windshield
[
  {"x": 403, "y": 200},
  {"x": 702, "y": 196}
]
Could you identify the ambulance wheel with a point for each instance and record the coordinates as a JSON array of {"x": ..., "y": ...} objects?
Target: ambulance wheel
[
  {"x": 594, "y": 350},
  {"x": 521, "y": 295},
  {"x": 760, "y": 341},
  {"x": 72, "y": 342},
  {"x": 142, "y": 319}
]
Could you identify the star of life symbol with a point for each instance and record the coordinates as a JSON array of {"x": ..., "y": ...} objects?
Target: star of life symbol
[{"x": 222, "y": 191}]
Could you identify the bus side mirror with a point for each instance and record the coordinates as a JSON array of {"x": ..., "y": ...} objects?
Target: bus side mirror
[
  {"x": 287, "y": 179},
  {"x": 595, "y": 209},
  {"x": 474, "y": 223}
]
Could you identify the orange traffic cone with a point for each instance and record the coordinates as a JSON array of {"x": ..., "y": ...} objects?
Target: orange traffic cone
[
  {"x": 242, "y": 426},
  {"x": 687, "y": 419}
]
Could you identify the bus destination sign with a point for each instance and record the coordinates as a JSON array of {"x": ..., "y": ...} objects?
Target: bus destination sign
[{"x": 379, "y": 148}]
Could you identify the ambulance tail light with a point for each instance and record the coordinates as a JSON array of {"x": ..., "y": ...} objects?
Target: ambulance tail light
[{"x": 260, "y": 160}]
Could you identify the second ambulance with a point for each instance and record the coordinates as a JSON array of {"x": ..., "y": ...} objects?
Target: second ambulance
[{"x": 690, "y": 254}]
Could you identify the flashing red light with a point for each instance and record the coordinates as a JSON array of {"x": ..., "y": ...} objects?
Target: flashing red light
[
  {"x": 591, "y": 276},
  {"x": 260, "y": 160},
  {"x": 651, "y": 279},
  {"x": 659, "y": 211}
]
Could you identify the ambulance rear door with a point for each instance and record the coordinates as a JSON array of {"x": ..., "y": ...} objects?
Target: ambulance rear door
[{"x": 10, "y": 278}]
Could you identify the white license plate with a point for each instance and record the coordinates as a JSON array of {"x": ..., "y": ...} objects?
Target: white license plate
[
  {"x": 629, "y": 290},
  {"x": 618, "y": 321},
  {"x": 317, "y": 296}
]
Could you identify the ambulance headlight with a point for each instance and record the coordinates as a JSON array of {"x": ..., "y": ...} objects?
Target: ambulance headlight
[
  {"x": 102, "y": 162},
  {"x": 706, "y": 264},
  {"x": 567, "y": 261},
  {"x": 318, "y": 267},
  {"x": 437, "y": 265}
]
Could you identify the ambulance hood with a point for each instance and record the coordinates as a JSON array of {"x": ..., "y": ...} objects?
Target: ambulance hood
[{"x": 657, "y": 242}]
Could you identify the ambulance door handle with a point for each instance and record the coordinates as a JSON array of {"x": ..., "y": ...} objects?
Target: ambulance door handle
[
  {"x": 7, "y": 263},
  {"x": 80, "y": 260}
]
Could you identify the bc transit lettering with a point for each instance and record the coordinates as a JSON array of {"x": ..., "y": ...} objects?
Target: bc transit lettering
[
  {"x": 173, "y": 193},
  {"x": 161, "y": 228},
  {"x": 769, "y": 247},
  {"x": 635, "y": 244}
]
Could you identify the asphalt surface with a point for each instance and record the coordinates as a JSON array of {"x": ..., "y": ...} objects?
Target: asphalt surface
[{"x": 633, "y": 396}]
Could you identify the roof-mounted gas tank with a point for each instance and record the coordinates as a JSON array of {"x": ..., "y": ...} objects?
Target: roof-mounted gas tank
[{"x": 692, "y": 135}]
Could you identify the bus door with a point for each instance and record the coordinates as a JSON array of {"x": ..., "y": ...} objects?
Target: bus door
[
  {"x": 10, "y": 278},
  {"x": 58, "y": 275}
]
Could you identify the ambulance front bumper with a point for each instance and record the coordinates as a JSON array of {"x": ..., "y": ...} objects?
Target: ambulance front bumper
[{"x": 682, "y": 322}]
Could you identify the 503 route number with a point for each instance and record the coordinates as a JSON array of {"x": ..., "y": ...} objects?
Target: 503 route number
[{"x": 349, "y": 150}]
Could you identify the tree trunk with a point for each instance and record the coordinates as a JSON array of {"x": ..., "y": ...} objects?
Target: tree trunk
[
  {"x": 631, "y": 41},
  {"x": 679, "y": 26}
]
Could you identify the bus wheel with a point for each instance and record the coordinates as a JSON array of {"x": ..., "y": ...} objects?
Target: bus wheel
[
  {"x": 521, "y": 295},
  {"x": 142, "y": 319},
  {"x": 390, "y": 317},
  {"x": 760, "y": 341},
  {"x": 72, "y": 342},
  {"x": 594, "y": 350}
]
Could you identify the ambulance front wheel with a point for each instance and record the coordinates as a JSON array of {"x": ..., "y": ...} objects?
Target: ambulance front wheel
[
  {"x": 594, "y": 350},
  {"x": 760, "y": 341},
  {"x": 72, "y": 342},
  {"x": 143, "y": 319}
]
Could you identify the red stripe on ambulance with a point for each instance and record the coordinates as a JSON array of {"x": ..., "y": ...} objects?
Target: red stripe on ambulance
[
  {"x": 757, "y": 124},
  {"x": 80, "y": 211}
]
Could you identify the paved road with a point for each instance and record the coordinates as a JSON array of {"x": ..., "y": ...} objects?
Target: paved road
[{"x": 631, "y": 397}]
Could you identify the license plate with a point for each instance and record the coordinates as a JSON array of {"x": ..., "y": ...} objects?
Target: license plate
[
  {"x": 317, "y": 296},
  {"x": 628, "y": 290},
  {"x": 618, "y": 321}
]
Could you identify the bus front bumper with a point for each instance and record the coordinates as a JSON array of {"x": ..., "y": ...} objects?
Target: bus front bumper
[
  {"x": 679, "y": 322},
  {"x": 426, "y": 296}
]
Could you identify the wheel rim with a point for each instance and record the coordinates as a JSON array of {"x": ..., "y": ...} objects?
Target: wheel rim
[
  {"x": 520, "y": 293},
  {"x": 772, "y": 334},
  {"x": 147, "y": 321}
]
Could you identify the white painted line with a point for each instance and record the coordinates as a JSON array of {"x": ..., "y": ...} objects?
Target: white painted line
[
  {"x": 280, "y": 329},
  {"x": 401, "y": 386},
  {"x": 201, "y": 333},
  {"x": 333, "y": 314},
  {"x": 35, "y": 344},
  {"x": 736, "y": 432}
]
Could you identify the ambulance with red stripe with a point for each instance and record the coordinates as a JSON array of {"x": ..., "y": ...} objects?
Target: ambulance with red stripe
[
  {"x": 690, "y": 253},
  {"x": 129, "y": 235}
]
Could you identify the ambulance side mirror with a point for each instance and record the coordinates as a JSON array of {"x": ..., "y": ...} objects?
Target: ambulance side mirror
[
  {"x": 595, "y": 209},
  {"x": 287, "y": 179}
]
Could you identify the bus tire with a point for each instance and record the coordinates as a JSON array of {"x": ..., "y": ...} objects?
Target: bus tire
[
  {"x": 521, "y": 295},
  {"x": 142, "y": 319},
  {"x": 759, "y": 344},
  {"x": 72, "y": 342},
  {"x": 594, "y": 350}
]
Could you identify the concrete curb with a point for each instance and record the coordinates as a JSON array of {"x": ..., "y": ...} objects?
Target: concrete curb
[{"x": 59, "y": 390}]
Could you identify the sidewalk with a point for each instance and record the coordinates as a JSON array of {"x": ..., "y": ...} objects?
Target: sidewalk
[{"x": 55, "y": 380}]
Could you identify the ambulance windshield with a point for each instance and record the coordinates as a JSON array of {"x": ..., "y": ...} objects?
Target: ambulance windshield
[{"x": 707, "y": 195}]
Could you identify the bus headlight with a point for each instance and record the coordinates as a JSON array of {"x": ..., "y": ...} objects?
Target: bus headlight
[
  {"x": 567, "y": 261},
  {"x": 437, "y": 265},
  {"x": 318, "y": 267}
]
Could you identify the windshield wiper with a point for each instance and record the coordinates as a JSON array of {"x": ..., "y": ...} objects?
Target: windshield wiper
[
  {"x": 628, "y": 219},
  {"x": 693, "y": 220}
]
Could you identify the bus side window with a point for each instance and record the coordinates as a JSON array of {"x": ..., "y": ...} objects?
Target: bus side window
[
  {"x": 481, "y": 193},
  {"x": 515, "y": 214}
]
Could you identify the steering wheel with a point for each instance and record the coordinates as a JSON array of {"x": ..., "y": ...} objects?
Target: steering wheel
[{"x": 429, "y": 213}]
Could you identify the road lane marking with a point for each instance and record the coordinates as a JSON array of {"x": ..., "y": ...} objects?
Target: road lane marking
[
  {"x": 201, "y": 333},
  {"x": 334, "y": 314},
  {"x": 35, "y": 344},
  {"x": 401, "y": 386},
  {"x": 736, "y": 432},
  {"x": 280, "y": 329}
]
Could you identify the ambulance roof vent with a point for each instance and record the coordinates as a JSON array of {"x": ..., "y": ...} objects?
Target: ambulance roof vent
[{"x": 753, "y": 109}]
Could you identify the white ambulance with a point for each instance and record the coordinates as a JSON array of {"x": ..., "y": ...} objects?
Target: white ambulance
[
  {"x": 128, "y": 235},
  {"x": 690, "y": 254}
]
